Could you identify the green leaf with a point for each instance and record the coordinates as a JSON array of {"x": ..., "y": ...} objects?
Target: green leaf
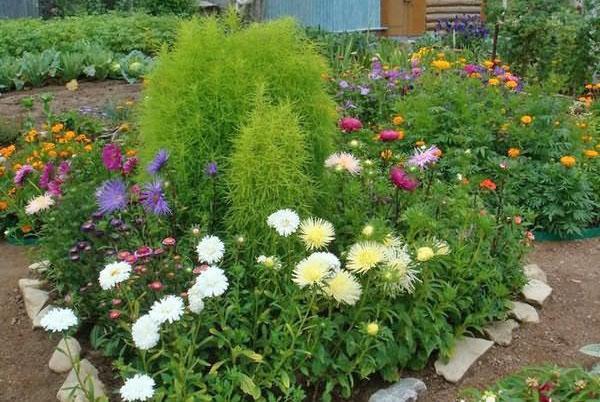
[{"x": 249, "y": 387}]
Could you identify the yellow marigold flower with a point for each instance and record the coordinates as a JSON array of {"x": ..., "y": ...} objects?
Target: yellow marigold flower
[
  {"x": 47, "y": 146},
  {"x": 475, "y": 75},
  {"x": 343, "y": 287},
  {"x": 514, "y": 152},
  {"x": 37, "y": 165},
  {"x": 420, "y": 143},
  {"x": 131, "y": 152},
  {"x": 364, "y": 256},
  {"x": 57, "y": 128},
  {"x": 52, "y": 153},
  {"x": 488, "y": 64},
  {"x": 440, "y": 65},
  {"x": 511, "y": 84},
  {"x": 494, "y": 82},
  {"x": 87, "y": 148},
  {"x": 3, "y": 205},
  {"x": 590, "y": 153},
  {"x": 64, "y": 154},
  {"x": 386, "y": 154},
  {"x": 586, "y": 138},
  {"x": 31, "y": 135},
  {"x": 72, "y": 85},
  {"x": 69, "y": 135},
  {"x": 6, "y": 152},
  {"x": 372, "y": 328},
  {"x": 17, "y": 166},
  {"x": 316, "y": 233},
  {"x": 568, "y": 161},
  {"x": 582, "y": 125},
  {"x": 526, "y": 119},
  {"x": 81, "y": 138},
  {"x": 506, "y": 67},
  {"x": 425, "y": 254},
  {"x": 398, "y": 120}
]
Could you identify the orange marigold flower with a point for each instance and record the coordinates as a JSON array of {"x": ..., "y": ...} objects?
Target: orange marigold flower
[
  {"x": 87, "y": 148},
  {"x": 568, "y": 161},
  {"x": 6, "y": 152},
  {"x": 420, "y": 143},
  {"x": 398, "y": 120},
  {"x": 386, "y": 154},
  {"x": 26, "y": 228},
  {"x": 494, "y": 82},
  {"x": 52, "y": 153},
  {"x": 488, "y": 184},
  {"x": 488, "y": 64},
  {"x": 526, "y": 119},
  {"x": 440, "y": 65},
  {"x": 590, "y": 153},
  {"x": 17, "y": 166},
  {"x": 514, "y": 152},
  {"x": 64, "y": 154},
  {"x": 81, "y": 138},
  {"x": 3, "y": 205},
  {"x": 69, "y": 135},
  {"x": 131, "y": 152},
  {"x": 57, "y": 128},
  {"x": 438, "y": 152},
  {"x": 37, "y": 165},
  {"x": 511, "y": 84}
]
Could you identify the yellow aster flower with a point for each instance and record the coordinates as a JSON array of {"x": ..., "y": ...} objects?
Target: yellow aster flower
[
  {"x": 365, "y": 255},
  {"x": 372, "y": 328},
  {"x": 425, "y": 254},
  {"x": 316, "y": 233},
  {"x": 344, "y": 288}
]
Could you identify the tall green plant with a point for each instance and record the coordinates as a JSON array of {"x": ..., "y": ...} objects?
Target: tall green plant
[{"x": 202, "y": 92}]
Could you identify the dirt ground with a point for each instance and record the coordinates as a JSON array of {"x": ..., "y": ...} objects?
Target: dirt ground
[
  {"x": 92, "y": 94},
  {"x": 569, "y": 320}
]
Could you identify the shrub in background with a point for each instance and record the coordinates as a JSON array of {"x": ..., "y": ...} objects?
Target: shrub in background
[{"x": 202, "y": 92}]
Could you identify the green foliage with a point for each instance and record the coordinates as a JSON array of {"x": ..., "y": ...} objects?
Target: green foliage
[
  {"x": 9, "y": 131},
  {"x": 203, "y": 91},
  {"x": 267, "y": 173},
  {"x": 35, "y": 68},
  {"x": 115, "y": 32}
]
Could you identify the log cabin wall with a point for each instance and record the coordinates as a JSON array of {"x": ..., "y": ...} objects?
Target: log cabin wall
[{"x": 444, "y": 9}]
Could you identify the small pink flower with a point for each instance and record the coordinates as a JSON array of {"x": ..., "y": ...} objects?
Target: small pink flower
[
  {"x": 131, "y": 259},
  {"x": 140, "y": 269},
  {"x": 169, "y": 242},
  {"x": 114, "y": 314},
  {"x": 198, "y": 270},
  {"x": 518, "y": 220},
  {"x": 123, "y": 255},
  {"x": 156, "y": 286},
  {"x": 143, "y": 251},
  {"x": 159, "y": 251},
  {"x": 350, "y": 124},
  {"x": 389, "y": 135},
  {"x": 117, "y": 302}
]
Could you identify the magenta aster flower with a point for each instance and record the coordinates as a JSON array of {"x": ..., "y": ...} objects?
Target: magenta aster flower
[
  {"x": 350, "y": 124},
  {"x": 54, "y": 188},
  {"x": 424, "y": 158},
  {"x": 159, "y": 161},
  {"x": 111, "y": 196},
  {"x": 22, "y": 174},
  {"x": 402, "y": 180},
  {"x": 63, "y": 170},
  {"x": 389, "y": 135},
  {"x": 130, "y": 165},
  {"x": 153, "y": 199},
  {"x": 111, "y": 157},
  {"x": 46, "y": 175}
]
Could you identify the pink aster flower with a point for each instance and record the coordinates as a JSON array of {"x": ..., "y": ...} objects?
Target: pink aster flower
[
  {"x": 424, "y": 158},
  {"x": 350, "y": 124},
  {"x": 22, "y": 174},
  {"x": 402, "y": 180},
  {"x": 344, "y": 161}
]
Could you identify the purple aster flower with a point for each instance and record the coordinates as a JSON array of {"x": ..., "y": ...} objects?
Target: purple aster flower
[
  {"x": 111, "y": 196},
  {"x": 364, "y": 90},
  {"x": 211, "y": 169},
  {"x": 22, "y": 174},
  {"x": 416, "y": 71},
  {"x": 46, "y": 175},
  {"x": 376, "y": 69},
  {"x": 129, "y": 165},
  {"x": 424, "y": 158},
  {"x": 349, "y": 105},
  {"x": 54, "y": 188},
  {"x": 160, "y": 159},
  {"x": 153, "y": 199},
  {"x": 111, "y": 157},
  {"x": 392, "y": 75},
  {"x": 402, "y": 180},
  {"x": 344, "y": 84},
  {"x": 63, "y": 170}
]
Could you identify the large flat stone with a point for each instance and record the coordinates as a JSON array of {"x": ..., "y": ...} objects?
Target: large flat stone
[
  {"x": 88, "y": 375},
  {"x": 30, "y": 283},
  {"x": 536, "y": 292},
  {"x": 501, "y": 331},
  {"x": 524, "y": 312},
  {"x": 466, "y": 352},
  {"x": 60, "y": 362},
  {"x": 405, "y": 390},
  {"x": 39, "y": 267},
  {"x": 34, "y": 300},
  {"x": 533, "y": 271}
]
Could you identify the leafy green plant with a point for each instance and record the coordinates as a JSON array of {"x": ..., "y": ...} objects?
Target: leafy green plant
[
  {"x": 9, "y": 70},
  {"x": 71, "y": 65},
  {"x": 36, "y": 68}
]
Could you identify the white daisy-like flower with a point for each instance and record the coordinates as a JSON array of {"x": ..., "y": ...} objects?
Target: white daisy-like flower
[
  {"x": 140, "y": 387},
  {"x": 316, "y": 233},
  {"x": 145, "y": 332},
  {"x": 397, "y": 275},
  {"x": 113, "y": 274},
  {"x": 168, "y": 309},
  {"x": 59, "y": 320},
  {"x": 311, "y": 271},
  {"x": 269, "y": 262},
  {"x": 284, "y": 221},
  {"x": 330, "y": 259},
  {"x": 344, "y": 161},
  {"x": 195, "y": 299},
  {"x": 210, "y": 249},
  {"x": 343, "y": 287},
  {"x": 38, "y": 204},
  {"x": 212, "y": 282},
  {"x": 364, "y": 256}
]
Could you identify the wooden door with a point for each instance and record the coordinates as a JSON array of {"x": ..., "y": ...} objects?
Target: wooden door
[{"x": 403, "y": 17}]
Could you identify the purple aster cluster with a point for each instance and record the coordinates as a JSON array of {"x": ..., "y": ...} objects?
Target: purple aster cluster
[
  {"x": 466, "y": 28},
  {"x": 153, "y": 199},
  {"x": 111, "y": 196},
  {"x": 46, "y": 176},
  {"x": 424, "y": 157},
  {"x": 22, "y": 174},
  {"x": 129, "y": 165},
  {"x": 112, "y": 157},
  {"x": 159, "y": 161}
]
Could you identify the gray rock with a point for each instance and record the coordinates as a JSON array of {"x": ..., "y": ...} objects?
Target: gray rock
[
  {"x": 405, "y": 390},
  {"x": 466, "y": 352},
  {"x": 34, "y": 300},
  {"x": 533, "y": 271},
  {"x": 501, "y": 331},
  {"x": 39, "y": 267},
  {"x": 38, "y": 318},
  {"x": 536, "y": 291},
  {"x": 30, "y": 283},
  {"x": 71, "y": 391},
  {"x": 60, "y": 362},
  {"x": 524, "y": 312}
]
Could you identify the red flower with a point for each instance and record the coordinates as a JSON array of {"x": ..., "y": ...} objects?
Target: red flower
[
  {"x": 350, "y": 124},
  {"x": 544, "y": 390},
  {"x": 390, "y": 135},
  {"x": 488, "y": 184}
]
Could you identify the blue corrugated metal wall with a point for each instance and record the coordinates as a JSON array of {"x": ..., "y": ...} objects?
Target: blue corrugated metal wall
[
  {"x": 18, "y": 8},
  {"x": 331, "y": 15}
]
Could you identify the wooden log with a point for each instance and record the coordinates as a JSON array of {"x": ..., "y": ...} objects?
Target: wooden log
[
  {"x": 434, "y": 3},
  {"x": 454, "y": 10},
  {"x": 437, "y": 17}
]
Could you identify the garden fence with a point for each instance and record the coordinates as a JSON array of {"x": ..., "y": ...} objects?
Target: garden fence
[{"x": 19, "y": 8}]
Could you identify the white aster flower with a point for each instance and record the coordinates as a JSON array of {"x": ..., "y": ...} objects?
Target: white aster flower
[
  {"x": 210, "y": 249},
  {"x": 344, "y": 161},
  {"x": 113, "y": 274},
  {"x": 59, "y": 320},
  {"x": 195, "y": 299},
  {"x": 311, "y": 271},
  {"x": 212, "y": 282},
  {"x": 343, "y": 287},
  {"x": 168, "y": 309},
  {"x": 140, "y": 387},
  {"x": 316, "y": 233},
  {"x": 330, "y": 259},
  {"x": 284, "y": 221},
  {"x": 38, "y": 204},
  {"x": 397, "y": 275},
  {"x": 145, "y": 332},
  {"x": 269, "y": 262}
]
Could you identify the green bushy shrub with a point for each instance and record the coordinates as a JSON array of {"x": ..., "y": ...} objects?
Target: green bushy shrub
[
  {"x": 115, "y": 32},
  {"x": 202, "y": 92},
  {"x": 267, "y": 173}
]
